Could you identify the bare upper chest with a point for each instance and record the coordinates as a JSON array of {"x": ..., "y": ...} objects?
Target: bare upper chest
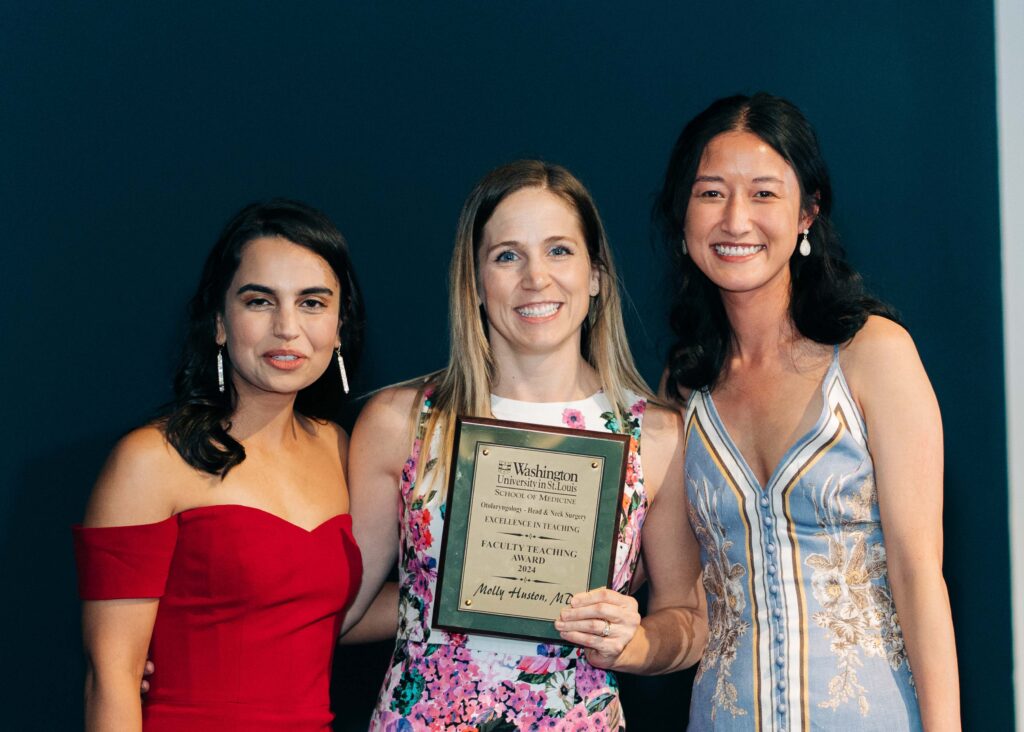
[
  {"x": 766, "y": 411},
  {"x": 304, "y": 486}
]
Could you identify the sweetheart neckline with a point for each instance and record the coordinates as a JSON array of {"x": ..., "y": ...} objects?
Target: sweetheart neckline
[{"x": 256, "y": 509}]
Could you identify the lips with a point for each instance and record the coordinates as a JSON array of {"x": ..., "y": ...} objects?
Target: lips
[
  {"x": 539, "y": 309},
  {"x": 284, "y": 360},
  {"x": 737, "y": 250}
]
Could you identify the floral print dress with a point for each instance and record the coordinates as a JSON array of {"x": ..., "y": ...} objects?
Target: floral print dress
[
  {"x": 442, "y": 681},
  {"x": 803, "y": 632}
]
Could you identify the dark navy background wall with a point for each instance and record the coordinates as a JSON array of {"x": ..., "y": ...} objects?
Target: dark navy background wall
[{"x": 129, "y": 132}]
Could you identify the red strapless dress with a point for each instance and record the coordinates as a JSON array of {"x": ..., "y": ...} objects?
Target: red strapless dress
[{"x": 250, "y": 609}]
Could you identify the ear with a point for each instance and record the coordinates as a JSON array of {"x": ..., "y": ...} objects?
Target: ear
[
  {"x": 595, "y": 282},
  {"x": 808, "y": 216},
  {"x": 221, "y": 334}
]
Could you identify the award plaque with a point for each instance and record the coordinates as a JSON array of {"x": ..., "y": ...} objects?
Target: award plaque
[{"x": 531, "y": 518}]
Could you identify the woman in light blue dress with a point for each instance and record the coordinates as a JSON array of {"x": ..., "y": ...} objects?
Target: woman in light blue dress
[{"x": 811, "y": 431}]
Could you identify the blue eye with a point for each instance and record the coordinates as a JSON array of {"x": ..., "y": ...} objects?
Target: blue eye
[
  {"x": 506, "y": 256},
  {"x": 560, "y": 250}
]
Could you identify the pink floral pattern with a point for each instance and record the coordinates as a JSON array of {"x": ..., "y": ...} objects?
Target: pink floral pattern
[
  {"x": 574, "y": 418},
  {"x": 436, "y": 681}
]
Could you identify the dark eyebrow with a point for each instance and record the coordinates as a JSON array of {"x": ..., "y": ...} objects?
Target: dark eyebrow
[
  {"x": 268, "y": 291},
  {"x": 719, "y": 179},
  {"x": 254, "y": 288}
]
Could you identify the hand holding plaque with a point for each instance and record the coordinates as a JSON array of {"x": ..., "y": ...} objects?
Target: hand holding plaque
[{"x": 532, "y": 518}]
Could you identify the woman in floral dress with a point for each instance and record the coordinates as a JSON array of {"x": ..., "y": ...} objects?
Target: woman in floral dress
[
  {"x": 536, "y": 336},
  {"x": 811, "y": 430}
]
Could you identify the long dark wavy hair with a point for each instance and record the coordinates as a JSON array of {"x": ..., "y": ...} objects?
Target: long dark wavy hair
[
  {"x": 828, "y": 301},
  {"x": 197, "y": 422}
]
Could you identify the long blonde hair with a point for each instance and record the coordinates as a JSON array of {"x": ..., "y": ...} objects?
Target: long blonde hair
[{"x": 464, "y": 386}]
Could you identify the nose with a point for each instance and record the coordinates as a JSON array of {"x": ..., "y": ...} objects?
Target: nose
[
  {"x": 286, "y": 325},
  {"x": 536, "y": 275},
  {"x": 736, "y": 221}
]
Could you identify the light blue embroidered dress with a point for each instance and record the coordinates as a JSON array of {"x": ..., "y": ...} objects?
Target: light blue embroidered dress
[{"x": 803, "y": 633}]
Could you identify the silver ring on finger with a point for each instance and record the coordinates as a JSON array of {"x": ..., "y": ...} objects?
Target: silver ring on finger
[{"x": 607, "y": 629}]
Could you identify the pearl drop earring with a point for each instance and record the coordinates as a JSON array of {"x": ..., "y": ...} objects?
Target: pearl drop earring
[{"x": 805, "y": 243}]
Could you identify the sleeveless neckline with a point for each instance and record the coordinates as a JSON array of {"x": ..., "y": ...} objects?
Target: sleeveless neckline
[
  {"x": 793, "y": 448},
  {"x": 506, "y": 402}
]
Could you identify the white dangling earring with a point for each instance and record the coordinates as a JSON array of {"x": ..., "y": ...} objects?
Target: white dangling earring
[
  {"x": 684, "y": 247},
  {"x": 341, "y": 368},
  {"x": 220, "y": 370},
  {"x": 805, "y": 243}
]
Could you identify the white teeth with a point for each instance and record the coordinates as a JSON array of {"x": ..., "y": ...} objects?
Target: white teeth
[
  {"x": 538, "y": 311},
  {"x": 284, "y": 358},
  {"x": 727, "y": 250}
]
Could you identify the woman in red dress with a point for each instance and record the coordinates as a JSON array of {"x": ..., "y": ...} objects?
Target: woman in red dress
[{"x": 218, "y": 538}]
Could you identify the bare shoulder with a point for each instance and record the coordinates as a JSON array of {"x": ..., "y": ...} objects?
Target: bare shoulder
[
  {"x": 881, "y": 349},
  {"x": 881, "y": 338},
  {"x": 389, "y": 411},
  {"x": 883, "y": 369},
  {"x": 140, "y": 482},
  {"x": 662, "y": 423},
  {"x": 662, "y": 449},
  {"x": 334, "y": 438},
  {"x": 382, "y": 434}
]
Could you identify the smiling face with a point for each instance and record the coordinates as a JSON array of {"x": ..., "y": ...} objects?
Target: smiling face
[
  {"x": 280, "y": 321},
  {"x": 744, "y": 215},
  {"x": 535, "y": 275}
]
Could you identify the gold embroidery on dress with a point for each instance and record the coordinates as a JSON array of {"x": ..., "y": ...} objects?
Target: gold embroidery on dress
[
  {"x": 851, "y": 585},
  {"x": 726, "y": 599}
]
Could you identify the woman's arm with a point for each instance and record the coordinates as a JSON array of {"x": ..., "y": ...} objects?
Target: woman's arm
[
  {"x": 378, "y": 450},
  {"x": 905, "y": 439},
  {"x": 674, "y": 632},
  {"x": 136, "y": 487},
  {"x": 116, "y": 634},
  {"x": 379, "y": 622}
]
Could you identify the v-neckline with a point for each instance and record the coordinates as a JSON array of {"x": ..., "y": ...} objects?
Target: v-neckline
[{"x": 797, "y": 445}]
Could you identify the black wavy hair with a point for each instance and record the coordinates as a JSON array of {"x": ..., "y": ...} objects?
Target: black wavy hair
[
  {"x": 197, "y": 421},
  {"x": 828, "y": 300}
]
